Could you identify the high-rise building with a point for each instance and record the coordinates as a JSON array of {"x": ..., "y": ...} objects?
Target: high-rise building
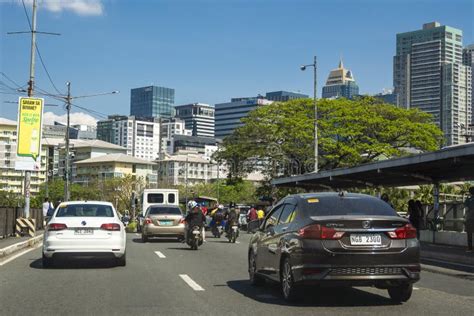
[
  {"x": 152, "y": 101},
  {"x": 387, "y": 96},
  {"x": 340, "y": 84},
  {"x": 198, "y": 117},
  {"x": 468, "y": 60},
  {"x": 139, "y": 135},
  {"x": 228, "y": 115},
  {"x": 428, "y": 74},
  {"x": 283, "y": 96}
]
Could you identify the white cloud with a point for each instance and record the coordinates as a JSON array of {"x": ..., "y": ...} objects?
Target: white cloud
[
  {"x": 76, "y": 118},
  {"x": 79, "y": 7}
]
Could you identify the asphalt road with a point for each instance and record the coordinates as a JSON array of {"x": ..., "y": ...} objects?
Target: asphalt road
[{"x": 165, "y": 278}]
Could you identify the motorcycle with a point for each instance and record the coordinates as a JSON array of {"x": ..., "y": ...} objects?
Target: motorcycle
[
  {"x": 195, "y": 239},
  {"x": 233, "y": 233},
  {"x": 126, "y": 220},
  {"x": 217, "y": 229}
]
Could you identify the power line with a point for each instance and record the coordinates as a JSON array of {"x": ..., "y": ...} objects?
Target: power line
[
  {"x": 9, "y": 79},
  {"x": 27, "y": 16},
  {"x": 7, "y": 86},
  {"x": 46, "y": 70}
]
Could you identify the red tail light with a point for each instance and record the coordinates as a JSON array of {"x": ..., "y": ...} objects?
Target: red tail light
[
  {"x": 110, "y": 226},
  {"x": 148, "y": 220},
  {"x": 405, "y": 232},
  {"x": 319, "y": 232},
  {"x": 56, "y": 226},
  {"x": 182, "y": 221}
]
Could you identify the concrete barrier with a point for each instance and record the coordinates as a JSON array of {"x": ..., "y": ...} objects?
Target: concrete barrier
[
  {"x": 450, "y": 238},
  {"x": 20, "y": 246}
]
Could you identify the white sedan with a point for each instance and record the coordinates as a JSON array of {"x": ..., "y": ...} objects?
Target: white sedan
[{"x": 84, "y": 228}]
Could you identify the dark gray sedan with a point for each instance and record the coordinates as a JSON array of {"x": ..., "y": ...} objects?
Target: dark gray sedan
[{"x": 335, "y": 239}]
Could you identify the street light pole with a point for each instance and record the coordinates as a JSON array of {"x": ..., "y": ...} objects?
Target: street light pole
[
  {"x": 67, "y": 162},
  {"x": 315, "y": 67}
]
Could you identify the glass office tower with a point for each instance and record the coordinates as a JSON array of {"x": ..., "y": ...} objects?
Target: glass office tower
[{"x": 152, "y": 101}]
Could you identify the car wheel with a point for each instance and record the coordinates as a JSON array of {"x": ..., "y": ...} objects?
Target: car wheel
[
  {"x": 144, "y": 238},
  {"x": 255, "y": 279},
  {"x": 401, "y": 293},
  {"x": 122, "y": 261},
  {"x": 47, "y": 262},
  {"x": 288, "y": 287}
]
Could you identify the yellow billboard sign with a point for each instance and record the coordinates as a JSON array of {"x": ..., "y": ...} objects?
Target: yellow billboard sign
[{"x": 30, "y": 116}]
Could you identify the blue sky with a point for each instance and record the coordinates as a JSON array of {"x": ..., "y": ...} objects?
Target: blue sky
[{"x": 211, "y": 50}]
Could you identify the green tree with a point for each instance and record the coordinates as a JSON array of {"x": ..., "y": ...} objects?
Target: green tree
[
  {"x": 10, "y": 199},
  {"x": 238, "y": 192},
  {"x": 280, "y": 136}
]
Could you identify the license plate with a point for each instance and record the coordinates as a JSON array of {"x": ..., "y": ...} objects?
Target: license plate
[
  {"x": 196, "y": 232},
  {"x": 166, "y": 223},
  {"x": 366, "y": 240},
  {"x": 83, "y": 231}
]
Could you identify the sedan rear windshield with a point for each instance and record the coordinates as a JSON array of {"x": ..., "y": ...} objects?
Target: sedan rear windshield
[
  {"x": 348, "y": 205},
  {"x": 153, "y": 210},
  {"x": 87, "y": 210}
]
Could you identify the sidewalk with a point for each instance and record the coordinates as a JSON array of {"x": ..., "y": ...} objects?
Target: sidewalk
[{"x": 450, "y": 257}]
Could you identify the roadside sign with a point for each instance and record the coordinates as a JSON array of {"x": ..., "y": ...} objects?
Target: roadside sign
[{"x": 29, "y": 129}]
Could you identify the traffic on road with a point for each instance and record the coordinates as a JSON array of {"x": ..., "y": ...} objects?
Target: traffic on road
[{"x": 333, "y": 253}]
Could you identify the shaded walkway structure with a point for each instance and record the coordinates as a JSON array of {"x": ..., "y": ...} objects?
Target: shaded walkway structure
[{"x": 450, "y": 164}]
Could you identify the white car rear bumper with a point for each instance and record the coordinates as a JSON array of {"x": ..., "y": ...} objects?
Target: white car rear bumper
[{"x": 112, "y": 246}]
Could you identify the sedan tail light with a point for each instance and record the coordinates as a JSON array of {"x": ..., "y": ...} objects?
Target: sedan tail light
[
  {"x": 56, "y": 226},
  {"x": 148, "y": 220},
  {"x": 405, "y": 232},
  {"x": 182, "y": 221},
  {"x": 319, "y": 232},
  {"x": 110, "y": 226}
]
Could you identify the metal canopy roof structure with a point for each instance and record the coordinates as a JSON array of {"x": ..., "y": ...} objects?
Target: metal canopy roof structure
[{"x": 455, "y": 163}]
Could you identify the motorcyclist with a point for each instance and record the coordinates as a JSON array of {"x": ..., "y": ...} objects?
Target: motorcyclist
[
  {"x": 231, "y": 217},
  {"x": 217, "y": 216},
  {"x": 193, "y": 218}
]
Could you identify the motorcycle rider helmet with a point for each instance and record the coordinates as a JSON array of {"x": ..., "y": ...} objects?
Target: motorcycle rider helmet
[{"x": 192, "y": 204}]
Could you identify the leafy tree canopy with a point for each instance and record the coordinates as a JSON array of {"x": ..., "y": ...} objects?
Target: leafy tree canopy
[{"x": 279, "y": 138}]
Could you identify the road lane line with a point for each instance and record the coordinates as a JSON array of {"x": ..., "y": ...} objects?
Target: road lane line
[
  {"x": 160, "y": 254},
  {"x": 237, "y": 242},
  {"x": 446, "y": 262},
  {"x": 137, "y": 234},
  {"x": 191, "y": 283},
  {"x": 416, "y": 288},
  {"x": 19, "y": 254}
]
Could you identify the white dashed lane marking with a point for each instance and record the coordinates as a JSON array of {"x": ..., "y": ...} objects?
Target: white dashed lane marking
[
  {"x": 416, "y": 288},
  {"x": 191, "y": 283},
  {"x": 160, "y": 254}
]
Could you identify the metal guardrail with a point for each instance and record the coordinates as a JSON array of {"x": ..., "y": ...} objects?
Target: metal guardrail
[
  {"x": 451, "y": 216},
  {"x": 8, "y": 216}
]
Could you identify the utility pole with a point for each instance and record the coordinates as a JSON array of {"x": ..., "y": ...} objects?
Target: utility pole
[
  {"x": 315, "y": 67},
  {"x": 186, "y": 181},
  {"x": 68, "y": 156},
  {"x": 30, "y": 91},
  {"x": 160, "y": 158},
  {"x": 316, "y": 167},
  {"x": 218, "y": 182},
  {"x": 31, "y": 86}
]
